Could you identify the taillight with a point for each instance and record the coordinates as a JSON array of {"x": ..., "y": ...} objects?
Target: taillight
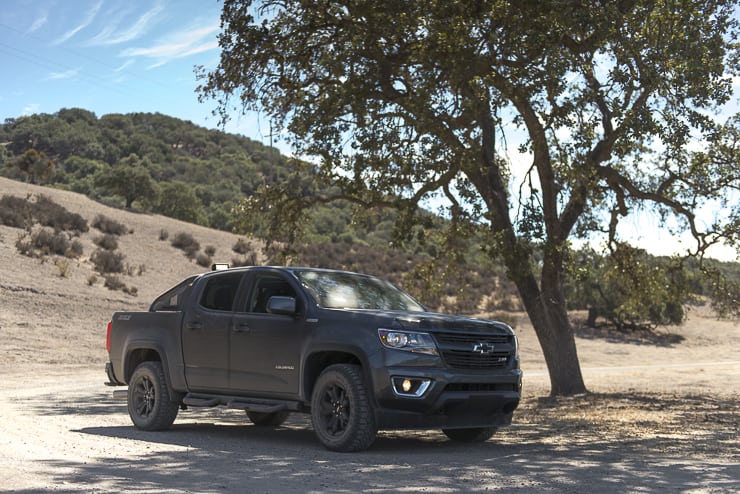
[{"x": 107, "y": 337}]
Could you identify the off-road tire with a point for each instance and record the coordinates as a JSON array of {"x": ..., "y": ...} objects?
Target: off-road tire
[
  {"x": 151, "y": 404},
  {"x": 341, "y": 411},
  {"x": 472, "y": 435},
  {"x": 268, "y": 419}
]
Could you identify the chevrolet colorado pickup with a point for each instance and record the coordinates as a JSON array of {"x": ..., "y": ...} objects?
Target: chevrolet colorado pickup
[{"x": 353, "y": 351}]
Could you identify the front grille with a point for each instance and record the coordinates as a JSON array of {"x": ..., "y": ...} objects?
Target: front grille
[
  {"x": 475, "y": 351},
  {"x": 471, "y": 339},
  {"x": 470, "y": 360}
]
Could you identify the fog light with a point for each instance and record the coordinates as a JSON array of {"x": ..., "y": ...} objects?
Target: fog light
[{"x": 410, "y": 387}]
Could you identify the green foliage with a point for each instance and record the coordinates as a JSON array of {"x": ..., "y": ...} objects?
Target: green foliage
[
  {"x": 179, "y": 200},
  {"x": 629, "y": 288},
  {"x": 402, "y": 102},
  {"x": 129, "y": 179},
  {"x": 34, "y": 164}
]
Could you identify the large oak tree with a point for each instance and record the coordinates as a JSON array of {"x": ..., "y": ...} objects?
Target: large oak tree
[{"x": 538, "y": 121}]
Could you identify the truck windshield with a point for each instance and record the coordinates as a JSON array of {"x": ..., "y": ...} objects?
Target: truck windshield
[{"x": 340, "y": 290}]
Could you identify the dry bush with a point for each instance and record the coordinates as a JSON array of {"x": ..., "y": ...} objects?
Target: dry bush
[
  {"x": 106, "y": 261},
  {"x": 187, "y": 243},
  {"x": 107, "y": 242},
  {"x": 242, "y": 246},
  {"x": 204, "y": 260},
  {"x": 109, "y": 225},
  {"x": 49, "y": 213},
  {"x": 114, "y": 283},
  {"x": 45, "y": 242}
]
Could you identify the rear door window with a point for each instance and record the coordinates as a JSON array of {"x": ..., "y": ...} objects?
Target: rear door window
[{"x": 220, "y": 292}]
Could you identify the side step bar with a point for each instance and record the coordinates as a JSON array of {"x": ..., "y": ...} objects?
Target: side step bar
[{"x": 252, "y": 405}]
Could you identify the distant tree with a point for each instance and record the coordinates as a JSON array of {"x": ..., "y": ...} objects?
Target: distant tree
[
  {"x": 34, "y": 164},
  {"x": 178, "y": 200},
  {"x": 629, "y": 288},
  {"x": 129, "y": 179},
  {"x": 402, "y": 102}
]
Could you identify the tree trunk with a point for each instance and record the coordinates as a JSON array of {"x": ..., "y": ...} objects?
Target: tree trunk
[
  {"x": 591, "y": 321},
  {"x": 550, "y": 320}
]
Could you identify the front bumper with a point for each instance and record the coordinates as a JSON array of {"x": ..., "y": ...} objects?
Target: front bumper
[{"x": 454, "y": 399}]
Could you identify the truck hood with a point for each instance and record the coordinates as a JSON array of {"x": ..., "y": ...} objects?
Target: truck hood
[{"x": 431, "y": 321}]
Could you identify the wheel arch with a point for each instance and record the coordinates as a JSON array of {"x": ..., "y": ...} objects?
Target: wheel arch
[{"x": 319, "y": 360}]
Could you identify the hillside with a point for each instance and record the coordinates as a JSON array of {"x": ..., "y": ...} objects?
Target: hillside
[{"x": 62, "y": 319}]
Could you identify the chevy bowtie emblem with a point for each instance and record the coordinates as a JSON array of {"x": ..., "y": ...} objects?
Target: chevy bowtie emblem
[{"x": 482, "y": 348}]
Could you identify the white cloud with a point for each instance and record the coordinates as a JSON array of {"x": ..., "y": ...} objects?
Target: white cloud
[
  {"x": 178, "y": 45},
  {"x": 67, "y": 74},
  {"x": 38, "y": 23},
  {"x": 85, "y": 22},
  {"x": 111, "y": 35},
  {"x": 31, "y": 109},
  {"x": 124, "y": 66}
]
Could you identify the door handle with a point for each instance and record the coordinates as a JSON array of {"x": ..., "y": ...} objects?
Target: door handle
[
  {"x": 241, "y": 328},
  {"x": 195, "y": 325}
]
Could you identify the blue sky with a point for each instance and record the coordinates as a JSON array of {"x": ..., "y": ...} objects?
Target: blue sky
[
  {"x": 113, "y": 56},
  {"x": 110, "y": 56}
]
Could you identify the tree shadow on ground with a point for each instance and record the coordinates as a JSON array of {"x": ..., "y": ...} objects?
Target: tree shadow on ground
[
  {"x": 638, "y": 336},
  {"x": 592, "y": 443}
]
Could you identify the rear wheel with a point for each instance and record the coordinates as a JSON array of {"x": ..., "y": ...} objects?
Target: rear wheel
[
  {"x": 472, "y": 435},
  {"x": 341, "y": 412},
  {"x": 150, "y": 401},
  {"x": 267, "y": 419}
]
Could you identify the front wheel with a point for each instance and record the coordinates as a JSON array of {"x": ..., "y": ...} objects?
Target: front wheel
[
  {"x": 472, "y": 435},
  {"x": 341, "y": 412},
  {"x": 150, "y": 402}
]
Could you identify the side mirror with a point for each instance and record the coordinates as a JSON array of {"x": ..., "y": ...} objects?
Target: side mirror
[{"x": 284, "y": 306}]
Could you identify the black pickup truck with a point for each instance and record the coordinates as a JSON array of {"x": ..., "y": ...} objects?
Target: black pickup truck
[{"x": 355, "y": 352}]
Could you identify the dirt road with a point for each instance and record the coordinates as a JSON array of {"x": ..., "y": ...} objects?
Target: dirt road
[{"x": 67, "y": 434}]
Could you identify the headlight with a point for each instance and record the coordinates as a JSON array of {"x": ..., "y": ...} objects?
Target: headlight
[{"x": 407, "y": 341}]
